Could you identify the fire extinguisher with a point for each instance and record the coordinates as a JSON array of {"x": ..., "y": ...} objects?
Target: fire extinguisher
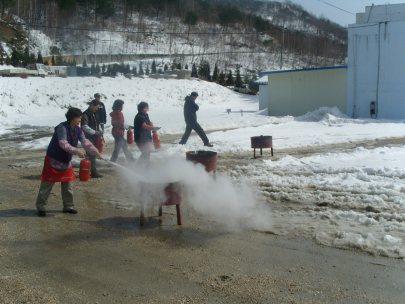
[
  {"x": 156, "y": 140},
  {"x": 130, "y": 137},
  {"x": 84, "y": 171},
  {"x": 99, "y": 143}
]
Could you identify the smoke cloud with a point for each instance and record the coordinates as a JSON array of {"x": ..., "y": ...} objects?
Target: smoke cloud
[{"x": 232, "y": 203}]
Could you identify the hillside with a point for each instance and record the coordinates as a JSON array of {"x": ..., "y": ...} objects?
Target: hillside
[{"x": 250, "y": 35}]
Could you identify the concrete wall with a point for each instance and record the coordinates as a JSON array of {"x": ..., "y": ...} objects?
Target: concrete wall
[
  {"x": 376, "y": 69},
  {"x": 297, "y": 92},
  {"x": 100, "y": 59},
  {"x": 263, "y": 99}
]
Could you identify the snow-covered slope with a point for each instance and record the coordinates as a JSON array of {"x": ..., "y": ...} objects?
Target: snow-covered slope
[{"x": 43, "y": 101}]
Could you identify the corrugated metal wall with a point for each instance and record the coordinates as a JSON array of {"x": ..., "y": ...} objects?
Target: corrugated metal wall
[
  {"x": 298, "y": 92},
  {"x": 376, "y": 68}
]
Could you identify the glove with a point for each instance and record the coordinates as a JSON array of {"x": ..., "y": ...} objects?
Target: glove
[{"x": 97, "y": 133}]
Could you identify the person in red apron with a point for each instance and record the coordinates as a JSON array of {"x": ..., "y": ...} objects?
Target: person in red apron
[{"x": 58, "y": 161}]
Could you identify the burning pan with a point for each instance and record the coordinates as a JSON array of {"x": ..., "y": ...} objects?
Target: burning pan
[
  {"x": 159, "y": 194},
  {"x": 261, "y": 142},
  {"x": 206, "y": 158}
]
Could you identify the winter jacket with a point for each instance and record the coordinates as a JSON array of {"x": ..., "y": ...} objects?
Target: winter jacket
[
  {"x": 190, "y": 109},
  {"x": 92, "y": 120},
  {"x": 142, "y": 128},
  {"x": 102, "y": 114},
  {"x": 117, "y": 122},
  {"x": 55, "y": 151}
]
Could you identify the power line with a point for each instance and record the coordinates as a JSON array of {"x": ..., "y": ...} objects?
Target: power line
[
  {"x": 167, "y": 33},
  {"x": 336, "y": 7}
]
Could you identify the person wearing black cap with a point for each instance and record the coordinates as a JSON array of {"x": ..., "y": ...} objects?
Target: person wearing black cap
[
  {"x": 190, "y": 116},
  {"x": 101, "y": 111},
  {"x": 91, "y": 126}
]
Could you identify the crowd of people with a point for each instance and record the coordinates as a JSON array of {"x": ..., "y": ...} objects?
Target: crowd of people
[{"x": 88, "y": 128}]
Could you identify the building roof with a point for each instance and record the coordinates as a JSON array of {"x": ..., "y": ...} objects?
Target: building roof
[
  {"x": 302, "y": 70},
  {"x": 262, "y": 80}
]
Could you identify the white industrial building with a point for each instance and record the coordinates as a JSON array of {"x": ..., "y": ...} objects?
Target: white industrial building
[
  {"x": 263, "y": 102},
  {"x": 376, "y": 63},
  {"x": 296, "y": 92}
]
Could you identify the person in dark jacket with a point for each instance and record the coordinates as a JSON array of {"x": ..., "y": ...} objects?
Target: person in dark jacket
[
  {"x": 102, "y": 113},
  {"x": 58, "y": 161},
  {"x": 190, "y": 116},
  {"x": 142, "y": 132},
  {"x": 92, "y": 129},
  {"x": 118, "y": 130}
]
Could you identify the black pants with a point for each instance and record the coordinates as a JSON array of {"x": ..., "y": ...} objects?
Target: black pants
[
  {"x": 93, "y": 169},
  {"x": 144, "y": 160},
  {"x": 121, "y": 143},
  {"x": 197, "y": 128}
]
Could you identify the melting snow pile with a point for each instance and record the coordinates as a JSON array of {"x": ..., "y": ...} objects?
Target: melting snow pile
[{"x": 345, "y": 200}]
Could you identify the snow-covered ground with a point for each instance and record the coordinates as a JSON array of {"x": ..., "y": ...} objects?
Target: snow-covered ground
[{"x": 346, "y": 200}]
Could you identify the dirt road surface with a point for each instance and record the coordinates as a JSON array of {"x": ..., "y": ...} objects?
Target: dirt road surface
[{"x": 101, "y": 255}]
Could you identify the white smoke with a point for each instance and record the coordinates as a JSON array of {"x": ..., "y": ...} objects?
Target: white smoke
[{"x": 233, "y": 204}]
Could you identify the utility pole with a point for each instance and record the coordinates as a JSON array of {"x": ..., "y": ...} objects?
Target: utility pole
[
  {"x": 28, "y": 29},
  {"x": 282, "y": 48}
]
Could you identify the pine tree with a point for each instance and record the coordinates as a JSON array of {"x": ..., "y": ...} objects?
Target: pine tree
[
  {"x": 208, "y": 72},
  {"x": 84, "y": 63},
  {"x": 254, "y": 87},
  {"x": 153, "y": 67},
  {"x": 186, "y": 67},
  {"x": 221, "y": 78},
  {"x": 127, "y": 70},
  {"x": 160, "y": 71},
  {"x": 92, "y": 69},
  {"x": 53, "y": 62},
  {"x": 179, "y": 66},
  {"x": 194, "y": 71},
  {"x": 39, "y": 58},
  {"x": 238, "y": 80},
  {"x": 215, "y": 75},
  {"x": 166, "y": 67},
  {"x": 97, "y": 69},
  {"x": 103, "y": 68},
  {"x": 134, "y": 71},
  {"x": 109, "y": 70},
  {"x": 32, "y": 58},
  {"x": 147, "y": 70},
  {"x": 59, "y": 61},
  {"x": 15, "y": 58},
  {"x": 229, "y": 79},
  {"x": 204, "y": 70},
  {"x": 121, "y": 68},
  {"x": 74, "y": 62},
  {"x": 141, "y": 72},
  {"x": 25, "y": 57},
  {"x": 2, "y": 57}
]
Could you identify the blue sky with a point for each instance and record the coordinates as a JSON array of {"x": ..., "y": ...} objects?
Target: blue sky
[{"x": 354, "y": 6}]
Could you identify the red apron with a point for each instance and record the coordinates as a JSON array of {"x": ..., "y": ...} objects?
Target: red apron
[{"x": 53, "y": 175}]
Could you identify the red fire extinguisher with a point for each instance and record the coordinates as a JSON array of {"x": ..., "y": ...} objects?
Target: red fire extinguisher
[
  {"x": 156, "y": 140},
  {"x": 130, "y": 137},
  {"x": 84, "y": 172},
  {"x": 99, "y": 143}
]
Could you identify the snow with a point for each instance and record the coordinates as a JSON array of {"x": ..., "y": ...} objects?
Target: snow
[{"x": 346, "y": 200}]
